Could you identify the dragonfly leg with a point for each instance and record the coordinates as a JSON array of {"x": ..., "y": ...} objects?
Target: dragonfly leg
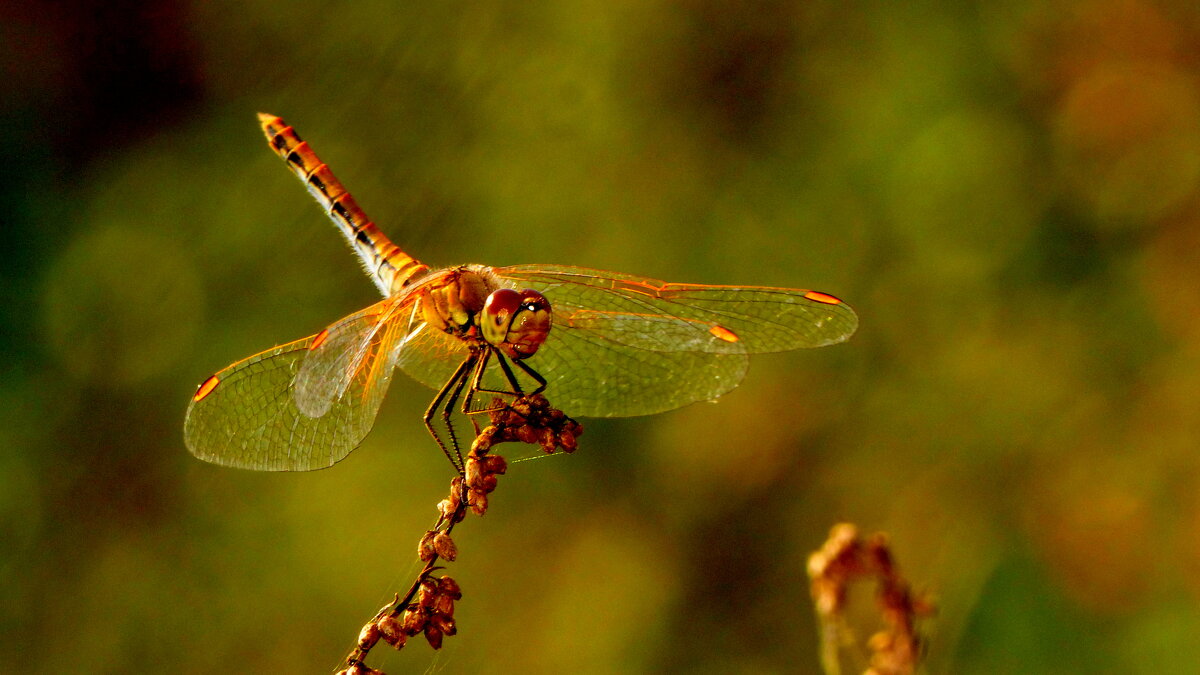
[
  {"x": 534, "y": 374},
  {"x": 447, "y": 420},
  {"x": 508, "y": 374},
  {"x": 477, "y": 384},
  {"x": 444, "y": 401}
]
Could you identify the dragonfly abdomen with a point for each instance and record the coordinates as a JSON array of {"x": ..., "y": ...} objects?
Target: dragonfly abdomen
[{"x": 391, "y": 268}]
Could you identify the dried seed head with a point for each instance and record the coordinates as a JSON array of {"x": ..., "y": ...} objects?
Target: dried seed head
[
  {"x": 414, "y": 620},
  {"x": 567, "y": 442},
  {"x": 495, "y": 464},
  {"x": 444, "y": 545},
  {"x": 425, "y": 550},
  {"x": 444, "y": 606},
  {"x": 443, "y": 623},
  {"x": 521, "y": 406},
  {"x": 478, "y": 502},
  {"x": 882, "y": 641},
  {"x": 451, "y": 502},
  {"x": 434, "y": 636},
  {"x": 486, "y": 484},
  {"x": 483, "y": 439},
  {"x": 368, "y": 636},
  {"x": 428, "y": 593},
  {"x": 547, "y": 439},
  {"x": 473, "y": 470},
  {"x": 527, "y": 434},
  {"x": 392, "y": 631},
  {"x": 448, "y": 586}
]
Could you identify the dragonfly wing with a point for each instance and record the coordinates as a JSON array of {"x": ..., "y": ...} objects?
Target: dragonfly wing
[
  {"x": 589, "y": 374},
  {"x": 761, "y": 319},
  {"x": 430, "y": 356},
  {"x": 626, "y": 345},
  {"x": 339, "y": 354},
  {"x": 247, "y": 415},
  {"x": 592, "y": 375}
]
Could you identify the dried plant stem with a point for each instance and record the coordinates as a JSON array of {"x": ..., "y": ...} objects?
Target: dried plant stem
[
  {"x": 428, "y": 605},
  {"x": 845, "y": 558}
]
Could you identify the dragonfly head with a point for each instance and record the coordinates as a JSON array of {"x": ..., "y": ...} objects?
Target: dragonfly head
[{"x": 516, "y": 322}]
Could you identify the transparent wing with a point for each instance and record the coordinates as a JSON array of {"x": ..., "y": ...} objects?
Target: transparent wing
[
  {"x": 627, "y": 345},
  {"x": 340, "y": 353},
  {"x": 247, "y": 415},
  {"x": 430, "y": 356}
]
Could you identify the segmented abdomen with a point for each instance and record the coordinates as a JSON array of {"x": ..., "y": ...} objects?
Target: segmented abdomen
[{"x": 391, "y": 268}]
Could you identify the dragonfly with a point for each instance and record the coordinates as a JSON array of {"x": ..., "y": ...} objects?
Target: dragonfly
[{"x": 599, "y": 343}]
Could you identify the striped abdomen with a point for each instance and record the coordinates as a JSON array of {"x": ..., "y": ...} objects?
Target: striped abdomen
[{"x": 391, "y": 268}]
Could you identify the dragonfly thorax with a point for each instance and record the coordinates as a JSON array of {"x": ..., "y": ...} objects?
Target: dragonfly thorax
[
  {"x": 452, "y": 302},
  {"x": 469, "y": 304}
]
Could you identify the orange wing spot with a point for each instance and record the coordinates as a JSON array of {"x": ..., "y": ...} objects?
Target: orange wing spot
[
  {"x": 822, "y": 297},
  {"x": 206, "y": 388},
  {"x": 319, "y": 340},
  {"x": 722, "y": 333},
  {"x": 639, "y": 287}
]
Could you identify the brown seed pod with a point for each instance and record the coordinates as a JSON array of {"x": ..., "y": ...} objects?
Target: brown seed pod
[
  {"x": 444, "y": 545},
  {"x": 478, "y": 502},
  {"x": 427, "y": 594},
  {"x": 444, "y": 605},
  {"x": 484, "y": 439},
  {"x": 392, "y": 631},
  {"x": 414, "y": 620},
  {"x": 368, "y": 636},
  {"x": 443, "y": 623},
  {"x": 448, "y": 586},
  {"x": 474, "y": 471},
  {"x": 527, "y": 434},
  {"x": 434, "y": 636},
  {"x": 495, "y": 464},
  {"x": 425, "y": 550},
  {"x": 567, "y": 442},
  {"x": 487, "y": 484}
]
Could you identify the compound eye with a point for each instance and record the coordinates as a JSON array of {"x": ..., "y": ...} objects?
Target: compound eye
[
  {"x": 497, "y": 315},
  {"x": 503, "y": 301},
  {"x": 529, "y": 328},
  {"x": 532, "y": 300}
]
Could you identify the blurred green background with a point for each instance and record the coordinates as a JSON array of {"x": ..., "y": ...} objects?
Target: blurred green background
[{"x": 1007, "y": 193}]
